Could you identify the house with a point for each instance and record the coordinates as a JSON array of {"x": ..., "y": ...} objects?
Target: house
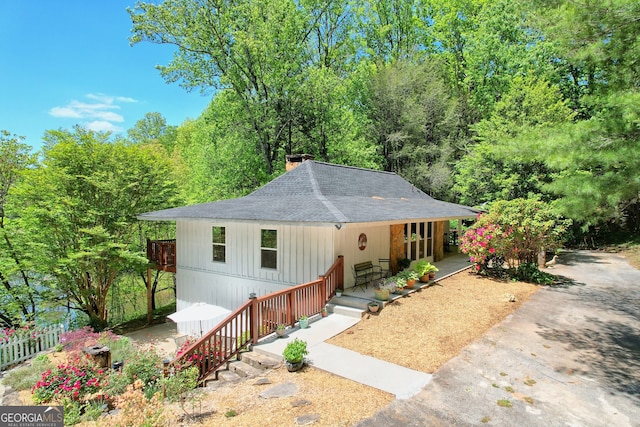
[{"x": 292, "y": 230}]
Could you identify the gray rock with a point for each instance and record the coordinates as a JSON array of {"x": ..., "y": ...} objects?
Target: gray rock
[
  {"x": 280, "y": 390},
  {"x": 300, "y": 402},
  {"x": 308, "y": 419}
]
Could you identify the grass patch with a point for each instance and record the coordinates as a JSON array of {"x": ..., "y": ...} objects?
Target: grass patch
[
  {"x": 485, "y": 420},
  {"x": 494, "y": 385},
  {"x": 510, "y": 389},
  {"x": 529, "y": 382},
  {"x": 528, "y": 400},
  {"x": 505, "y": 403},
  {"x": 231, "y": 413},
  {"x": 503, "y": 374},
  {"x": 25, "y": 377}
]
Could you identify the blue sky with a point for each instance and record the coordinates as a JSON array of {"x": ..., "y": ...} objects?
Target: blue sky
[{"x": 68, "y": 62}]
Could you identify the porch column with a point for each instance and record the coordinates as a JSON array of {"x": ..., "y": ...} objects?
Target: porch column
[
  {"x": 397, "y": 246},
  {"x": 438, "y": 240}
]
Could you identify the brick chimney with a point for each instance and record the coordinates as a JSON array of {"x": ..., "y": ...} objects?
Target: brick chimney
[{"x": 294, "y": 160}]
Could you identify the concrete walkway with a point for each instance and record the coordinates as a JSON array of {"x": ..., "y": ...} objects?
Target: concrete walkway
[{"x": 398, "y": 380}]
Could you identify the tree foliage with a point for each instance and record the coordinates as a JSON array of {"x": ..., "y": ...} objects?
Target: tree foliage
[
  {"x": 596, "y": 158},
  {"x": 16, "y": 290},
  {"x": 80, "y": 206}
]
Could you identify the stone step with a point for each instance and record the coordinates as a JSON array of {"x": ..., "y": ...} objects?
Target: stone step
[
  {"x": 259, "y": 361},
  {"x": 244, "y": 369},
  {"x": 250, "y": 365}
]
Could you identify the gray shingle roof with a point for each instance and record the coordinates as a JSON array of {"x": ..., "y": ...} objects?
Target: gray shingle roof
[{"x": 317, "y": 192}]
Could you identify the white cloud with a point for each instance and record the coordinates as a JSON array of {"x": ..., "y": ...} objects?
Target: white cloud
[
  {"x": 64, "y": 112},
  {"x": 102, "y": 126},
  {"x": 99, "y": 110}
]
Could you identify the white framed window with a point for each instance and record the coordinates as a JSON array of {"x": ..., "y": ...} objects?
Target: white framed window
[
  {"x": 269, "y": 249},
  {"x": 418, "y": 237},
  {"x": 219, "y": 242}
]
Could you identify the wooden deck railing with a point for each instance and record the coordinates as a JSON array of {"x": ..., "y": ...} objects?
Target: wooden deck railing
[
  {"x": 163, "y": 254},
  {"x": 259, "y": 317}
]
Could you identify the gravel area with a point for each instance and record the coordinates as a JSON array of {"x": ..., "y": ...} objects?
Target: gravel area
[{"x": 429, "y": 327}]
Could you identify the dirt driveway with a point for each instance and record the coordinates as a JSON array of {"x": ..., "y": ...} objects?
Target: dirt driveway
[{"x": 570, "y": 356}]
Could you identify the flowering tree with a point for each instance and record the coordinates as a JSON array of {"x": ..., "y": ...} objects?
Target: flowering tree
[{"x": 514, "y": 232}]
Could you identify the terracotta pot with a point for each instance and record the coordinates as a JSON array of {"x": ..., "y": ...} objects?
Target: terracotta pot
[
  {"x": 424, "y": 278},
  {"x": 432, "y": 276},
  {"x": 373, "y": 308},
  {"x": 410, "y": 283},
  {"x": 280, "y": 332}
]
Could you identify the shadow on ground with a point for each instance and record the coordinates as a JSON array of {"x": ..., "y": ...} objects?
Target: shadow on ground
[{"x": 607, "y": 351}]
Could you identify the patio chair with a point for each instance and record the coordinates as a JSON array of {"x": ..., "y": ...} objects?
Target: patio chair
[{"x": 385, "y": 266}]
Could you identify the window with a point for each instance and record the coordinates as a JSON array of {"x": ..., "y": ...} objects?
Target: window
[
  {"x": 219, "y": 241},
  {"x": 269, "y": 249},
  {"x": 417, "y": 244}
]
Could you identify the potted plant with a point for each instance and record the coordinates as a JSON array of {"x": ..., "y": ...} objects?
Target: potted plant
[
  {"x": 409, "y": 277},
  {"x": 424, "y": 269},
  {"x": 373, "y": 306},
  {"x": 338, "y": 292},
  {"x": 404, "y": 263},
  {"x": 280, "y": 329},
  {"x": 400, "y": 284},
  {"x": 294, "y": 354},
  {"x": 381, "y": 289},
  {"x": 304, "y": 322}
]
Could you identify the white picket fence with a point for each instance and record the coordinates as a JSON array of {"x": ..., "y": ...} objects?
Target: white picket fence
[{"x": 23, "y": 346}]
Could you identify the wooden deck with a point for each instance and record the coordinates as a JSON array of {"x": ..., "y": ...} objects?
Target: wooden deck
[{"x": 162, "y": 253}]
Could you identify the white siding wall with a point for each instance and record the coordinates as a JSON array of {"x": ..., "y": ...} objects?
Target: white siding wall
[
  {"x": 304, "y": 253},
  {"x": 378, "y": 242}
]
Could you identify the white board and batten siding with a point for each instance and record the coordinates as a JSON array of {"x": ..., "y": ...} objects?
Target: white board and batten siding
[
  {"x": 378, "y": 243},
  {"x": 303, "y": 254}
]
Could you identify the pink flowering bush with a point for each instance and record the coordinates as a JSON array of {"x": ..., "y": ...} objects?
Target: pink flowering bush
[
  {"x": 77, "y": 339},
  {"x": 513, "y": 232},
  {"x": 28, "y": 330},
  {"x": 482, "y": 242},
  {"x": 75, "y": 380}
]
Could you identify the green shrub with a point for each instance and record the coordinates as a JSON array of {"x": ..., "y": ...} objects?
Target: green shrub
[
  {"x": 295, "y": 351},
  {"x": 530, "y": 273},
  {"x": 146, "y": 366},
  {"x": 181, "y": 382}
]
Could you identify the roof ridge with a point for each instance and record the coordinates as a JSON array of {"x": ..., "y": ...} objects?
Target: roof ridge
[
  {"x": 350, "y": 167},
  {"x": 316, "y": 191}
]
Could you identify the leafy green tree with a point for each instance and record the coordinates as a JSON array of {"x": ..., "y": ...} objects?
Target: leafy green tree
[
  {"x": 153, "y": 128},
  {"x": 596, "y": 158},
  {"x": 257, "y": 49},
  {"x": 392, "y": 30},
  {"x": 16, "y": 291},
  {"x": 81, "y": 205},
  {"x": 491, "y": 171},
  {"x": 412, "y": 120}
]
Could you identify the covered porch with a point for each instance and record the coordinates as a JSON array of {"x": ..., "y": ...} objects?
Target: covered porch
[{"x": 358, "y": 298}]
